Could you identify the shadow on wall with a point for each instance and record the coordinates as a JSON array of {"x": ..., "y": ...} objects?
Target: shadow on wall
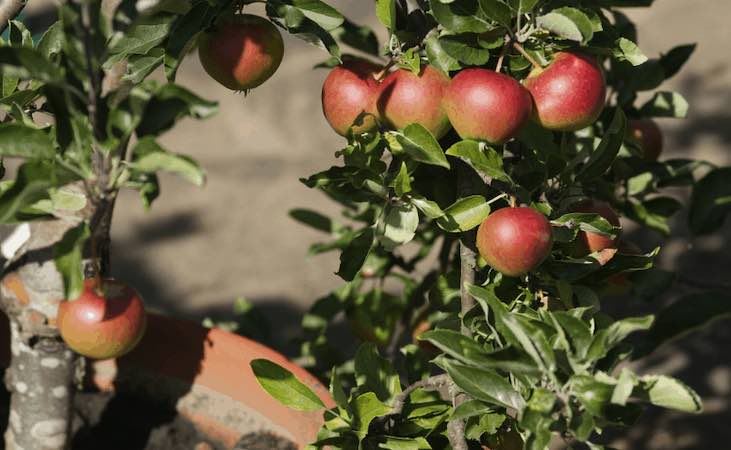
[{"x": 714, "y": 122}]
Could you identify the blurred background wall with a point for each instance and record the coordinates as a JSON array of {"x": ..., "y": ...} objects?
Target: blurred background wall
[{"x": 199, "y": 249}]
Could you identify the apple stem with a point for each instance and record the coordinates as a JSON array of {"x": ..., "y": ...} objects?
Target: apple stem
[
  {"x": 513, "y": 201},
  {"x": 499, "y": 197},
  {"x": 527, "y": 55},
  {"x": 500, "y": 59},
  {"x": 382, "y": 74}
]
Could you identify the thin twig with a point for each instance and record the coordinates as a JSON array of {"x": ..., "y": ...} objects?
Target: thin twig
[
  {"x": 527, "y": 55},
  {"x": 9, "y": 10},
  {"x": 431, "y": 383}
]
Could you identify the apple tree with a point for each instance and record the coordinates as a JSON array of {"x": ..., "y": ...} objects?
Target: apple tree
[
  {"x": 80, "y": 121},
  {"x": 491, "y": 147}
]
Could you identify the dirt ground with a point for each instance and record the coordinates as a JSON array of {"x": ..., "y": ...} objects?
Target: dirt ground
[{"x": 199, "y": 249}]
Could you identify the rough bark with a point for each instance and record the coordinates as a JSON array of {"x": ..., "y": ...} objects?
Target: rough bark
[
  {"x": 9, "y": 9},
  {"x": 41, "y": 377}
]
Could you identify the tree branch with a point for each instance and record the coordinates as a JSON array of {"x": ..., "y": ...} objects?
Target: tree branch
[
  {"x": 9, "y": 10},
  {"x": 431, "y": 383}
]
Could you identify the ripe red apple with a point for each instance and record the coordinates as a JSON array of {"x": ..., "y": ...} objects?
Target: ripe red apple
[
  {"x": 241, "y": 51},
  {"x": 349, "y": 91},
  {"x": 589, "y": 242},
  {"x": 487, "y": 106},
  {"x": 102, "y": 324},
  {"x": 515, "y": 240},
  {"x": 405, "y": 98},
  {"x": 570, "y": 93},
  {"x": 649, "y": 136}
]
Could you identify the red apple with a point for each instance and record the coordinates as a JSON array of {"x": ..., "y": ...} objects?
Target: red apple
[
  {"x": 102, "y": 323},
  {"x": 487, "y": 106},
  {"x": 241, "y": 51},
  {"x": 570, "y": 93},
  {"x": 350, "y": 92},
  {"x": 515, "y": 241},
  {"x": 649, "y": 136},
  {"x": 405, "y": 98},
  {"x": 589, "y": 242}
]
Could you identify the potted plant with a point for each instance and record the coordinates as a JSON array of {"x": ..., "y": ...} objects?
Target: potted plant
[{"x": 492, "y": 160}]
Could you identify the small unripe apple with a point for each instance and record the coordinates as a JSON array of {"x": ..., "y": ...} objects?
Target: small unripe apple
[
  {"x": 589, "y": 242},
  {"x": 487, "y": 106},
  {"x": 241, "y": 51},
  {"x": 570, "y": 93},
  {"x": 405, "y": 98},
  {"x": 104, "y": 322},
  {"x": 515, "y": 241},
  {"x": 349, "y": 96},
  {"x": 648, "y": 135}
]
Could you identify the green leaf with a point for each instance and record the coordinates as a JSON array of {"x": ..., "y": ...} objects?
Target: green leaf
[
  {"x": 665, "y": 104},
  {"x": 710, "y": 202},
  {"x": 150, "y": 157},
  {"x": 465, "y": 48},
  {"x": 169, "y": 103},
  {"x": 465, "y": 214},
  {"x": 182, "y": 36},
  {"x": 32, "y": 182},
  {"x": 67, "y": 254},
  {"x": 626, "y": 50},
  {"x": 320, "y": 13},
  {"x": 386, "y": 12},
  {"x": 496, "y": 10},
  {"x": 359, "y": 37},
  {"x": 438, "y": 57},
  {"x": 592, "y": 393},
  {"x": 375, "y": 373},
  {"x": 281, "y": 384},
  {"x": 470, "y": 408},
  {"x": 24, "y": 141},
  {"x": 366, "y": 407},
  {"x": 459, "y": 16},
  {"x": 429, "y": 208},
  {"x": 421, "y": 145},
  {"x": 592, "y": 223},
  {"x": 483, "y": 384},
  {"x": 399, "y": 226},
  {"x": 605, "y": 153},
  {"x": 355, "y": 254},
  {"x": 140, "y": 66},
  {"x": 402, "y": 183},
  {"x": 51, "y": 42},
  {"x": 568, "y": 23},
  {"x": 313, "y": 219},
  {"x": 456, "y": 344},
  {"x": 668, "y": 392},
  {"x": 532, "y": 340},
  {"x": 27, "y": 63},
  {"x": 144, "y": 35},
  {"x": 403, "y": 443},
  {"x": 484, "y": 159}
]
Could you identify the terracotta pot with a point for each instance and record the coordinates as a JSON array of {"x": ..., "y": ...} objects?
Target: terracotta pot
[{"x": 206, "y": 372}]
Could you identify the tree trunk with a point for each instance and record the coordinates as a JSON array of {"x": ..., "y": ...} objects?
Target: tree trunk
[
  {"x": 41, "y": 376},
  {"x": 40, "y": 380}
]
